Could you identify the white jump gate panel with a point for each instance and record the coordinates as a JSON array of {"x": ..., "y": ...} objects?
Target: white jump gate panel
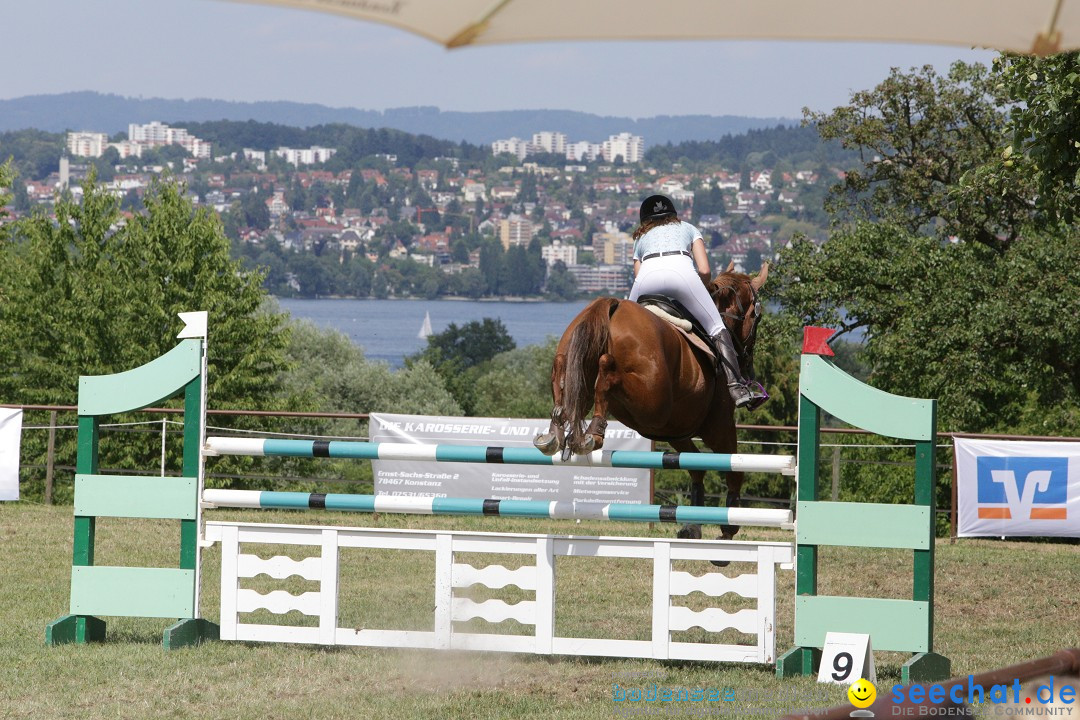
[{"x": 538, "y": 578}]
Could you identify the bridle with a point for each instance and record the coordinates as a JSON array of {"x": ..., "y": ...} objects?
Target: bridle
[{"x": 742, "y": 346}]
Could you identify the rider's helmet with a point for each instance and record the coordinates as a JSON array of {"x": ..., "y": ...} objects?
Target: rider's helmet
[{"x": 655, "y": 207}]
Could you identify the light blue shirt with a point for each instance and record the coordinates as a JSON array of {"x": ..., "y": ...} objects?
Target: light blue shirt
[{"x": 666, "y": 238}]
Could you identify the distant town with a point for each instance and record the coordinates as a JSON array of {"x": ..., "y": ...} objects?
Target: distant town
[{"x": 565, "y": 207}]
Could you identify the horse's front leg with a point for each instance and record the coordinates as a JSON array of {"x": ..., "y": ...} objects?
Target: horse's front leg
[{"x": 554, "y": 439}]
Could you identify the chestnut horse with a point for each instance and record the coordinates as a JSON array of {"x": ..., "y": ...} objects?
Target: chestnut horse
[{"x": 620, "y": 359}]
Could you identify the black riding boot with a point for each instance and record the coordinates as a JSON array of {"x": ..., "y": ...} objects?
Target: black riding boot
[{"x": 741, "y": 391}]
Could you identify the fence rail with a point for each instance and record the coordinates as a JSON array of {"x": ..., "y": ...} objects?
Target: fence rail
[{"x": 54, "y": 426}]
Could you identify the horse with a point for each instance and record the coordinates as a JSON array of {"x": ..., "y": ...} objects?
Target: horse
[{"x": 621, "y": 359}]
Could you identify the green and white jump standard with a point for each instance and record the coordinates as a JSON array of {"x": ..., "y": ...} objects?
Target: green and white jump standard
[
  {"x": 904, "y": 625},
  {"x": 134, "y": 591}
]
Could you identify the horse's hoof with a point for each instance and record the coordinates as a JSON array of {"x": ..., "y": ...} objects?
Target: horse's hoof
[
  {"x": 586, "y": 446},
  {"x": 722, "y": 563},
  {"x": 546, "y": 443},
  {"x": 566, "y": 453},
  {"x": 689, "y": 532}
]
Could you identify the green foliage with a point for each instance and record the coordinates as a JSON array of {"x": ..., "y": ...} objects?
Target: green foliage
[
  {"x": 953, "y": 249},
  {"x": 796, "y": 144},
  {"x": 460, "y": 356},
  {"x": 332, "y": 375},
  {"x": 517, "y": 383},
  {"x": 560, "y": 284},
  {"x": 355, "y": 145},
  {"x": 87, "y": 295},
  {"x": 6, "y": 178},
  {"x": 923, "y": 139},
  {"x": 993, "y": 336},
  {"x": 1045, "y": 97},
  {"x": 33, "y": 153}
]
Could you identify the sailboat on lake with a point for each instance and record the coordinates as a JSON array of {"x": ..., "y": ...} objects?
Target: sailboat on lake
[{"x": 425, "y": 329}]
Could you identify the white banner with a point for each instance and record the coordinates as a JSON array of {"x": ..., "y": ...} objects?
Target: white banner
[
  {"x": 1012, "y": 488},
  {"x": 10, "y": 438},
  {"x": 423, "y": 478}
]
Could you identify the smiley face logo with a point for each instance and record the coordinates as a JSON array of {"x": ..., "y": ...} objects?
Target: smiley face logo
[{"x": 862, "y": 693}]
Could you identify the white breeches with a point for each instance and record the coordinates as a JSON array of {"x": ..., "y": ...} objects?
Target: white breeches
[{"x": 676, "y": 277}]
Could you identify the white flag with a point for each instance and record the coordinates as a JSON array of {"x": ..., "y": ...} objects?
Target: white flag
[{"x": 10, "y": 437}]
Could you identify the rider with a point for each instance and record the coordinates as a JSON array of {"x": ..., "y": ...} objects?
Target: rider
[{"x": 670, "y": 259}]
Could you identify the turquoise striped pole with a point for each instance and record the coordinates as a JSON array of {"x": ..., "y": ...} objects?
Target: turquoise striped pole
[
  {"x": 784, "y": 464},
  {"x": 265, "y": 499}
]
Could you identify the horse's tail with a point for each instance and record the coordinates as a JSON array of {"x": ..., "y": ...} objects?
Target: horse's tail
[{"x": 587, "y": 343}]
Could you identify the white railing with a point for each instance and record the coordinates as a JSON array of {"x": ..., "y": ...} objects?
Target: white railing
[{"x": 537, "y": 579}]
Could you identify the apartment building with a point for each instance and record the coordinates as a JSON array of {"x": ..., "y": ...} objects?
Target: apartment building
[
  {"x": 305, "y": 156},
  {"x": 156, "y": 134},
  {"x": 514, "y": 146},
  {"x": 631, "y": 148},
  {"x": 515, "y": 230},
  {"x": 87, "y": 144},
  {"x": 601, "y": 278},
  {"x": 559, "y": 251}
]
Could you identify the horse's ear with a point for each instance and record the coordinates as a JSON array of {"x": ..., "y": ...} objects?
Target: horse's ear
[
  {"x": 730, "y": 266},
  {"x": 758, "y": 281}
]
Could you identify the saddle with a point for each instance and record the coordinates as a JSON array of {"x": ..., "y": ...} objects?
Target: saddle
[{"x": 670, "y": 309}]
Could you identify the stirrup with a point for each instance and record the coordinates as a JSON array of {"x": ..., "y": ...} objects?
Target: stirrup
[
  {"x": 740, "y": 394},
  {"x": 758, "y": 395},
  {"x": 749, "y": 395}
]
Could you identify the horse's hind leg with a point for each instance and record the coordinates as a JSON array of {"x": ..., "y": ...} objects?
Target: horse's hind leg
[
  {"x": 554, "y": 439},
  {"x": 734, "y": 496},
  {"x": 697, "y": 490},
  {"x": 606, "y": 378},
  {"x": 726, "y": 441}
]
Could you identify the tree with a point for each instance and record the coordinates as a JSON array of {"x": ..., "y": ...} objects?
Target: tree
[
  {"x": 459, "y": 355},
  {"x": 86, "y": 295},
  {"x": 951, "y": 251},
  {"x": 7, "y": 177},
  {"x": 517, "y": 383},
  {"x": 1045, "y": 102},
  {"x": 990, "y": 334},
  {"x": 560, "y": 285},
  {"x": 925, "y": 141}
]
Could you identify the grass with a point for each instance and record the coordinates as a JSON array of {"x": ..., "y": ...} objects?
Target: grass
[{"x": 998, "y": 603}]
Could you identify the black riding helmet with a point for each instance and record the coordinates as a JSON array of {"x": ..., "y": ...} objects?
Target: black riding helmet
[{"x": 656, "y": 206}]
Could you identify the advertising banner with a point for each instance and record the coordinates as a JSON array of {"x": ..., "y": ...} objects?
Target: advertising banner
[
  {"x": 1017, "y": 488},
  {"x": 10, "y": 439},
  {"x": 423, "y": 478}
]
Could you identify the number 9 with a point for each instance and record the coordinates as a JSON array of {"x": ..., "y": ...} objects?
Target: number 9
[{"x": 841, "y": 666}]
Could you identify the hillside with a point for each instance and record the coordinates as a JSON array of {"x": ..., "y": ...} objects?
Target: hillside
[{"x": 112, "y": 113}]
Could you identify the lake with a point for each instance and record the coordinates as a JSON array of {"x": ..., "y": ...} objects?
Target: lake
[{"x": 388, "y": 330}]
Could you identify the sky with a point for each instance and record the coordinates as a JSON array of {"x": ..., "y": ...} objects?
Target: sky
[{"x": 186, "y": 49}]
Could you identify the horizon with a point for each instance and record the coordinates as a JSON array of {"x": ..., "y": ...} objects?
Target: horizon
[
  {"x": 379, "y": 110},
  {"x": 240, "y": 52}
]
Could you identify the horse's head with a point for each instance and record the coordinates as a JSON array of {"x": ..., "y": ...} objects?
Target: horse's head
[{"x": 736, "y": 297}]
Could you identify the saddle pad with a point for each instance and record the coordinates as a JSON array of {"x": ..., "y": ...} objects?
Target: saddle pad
[{"x": 684, "y": 327}]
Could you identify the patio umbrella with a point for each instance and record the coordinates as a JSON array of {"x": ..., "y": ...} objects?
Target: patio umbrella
[{"x": 1025, "y": 26}]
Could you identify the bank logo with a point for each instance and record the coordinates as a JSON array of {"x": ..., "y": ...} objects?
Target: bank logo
[{"x": 1022, "y": 488}]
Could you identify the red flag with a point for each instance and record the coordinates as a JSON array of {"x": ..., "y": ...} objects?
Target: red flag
[{"x": 816, "y": 341}]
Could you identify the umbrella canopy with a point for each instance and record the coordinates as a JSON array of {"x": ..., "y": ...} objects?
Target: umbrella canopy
[{"x": 1025, "y": 26}]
